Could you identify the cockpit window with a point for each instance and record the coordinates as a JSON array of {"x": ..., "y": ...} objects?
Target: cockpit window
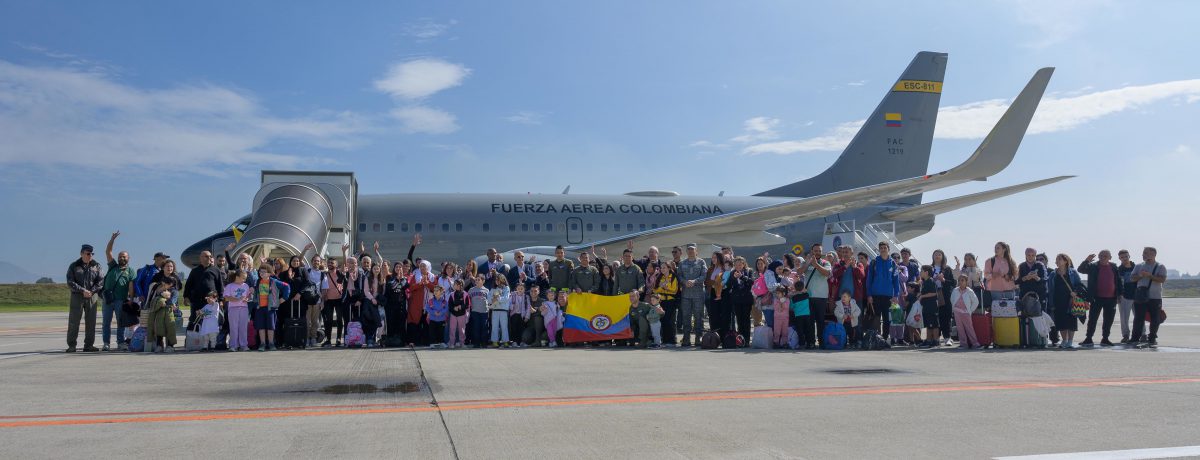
[{"x": 240, "y": 224}]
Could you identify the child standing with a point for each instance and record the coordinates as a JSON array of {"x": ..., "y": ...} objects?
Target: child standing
[
  {"x": 518, "y": 315},
  {"x": 478, "y": 296},
  {"x": 654, "y": 317},
  {"x": 458, "y": 316},
  {"x": 161, "y": 329},
  {"x": 964, "y": 302},
  {"x": 781, "y": 309},
  {"x": 211, "y": 321},
  {"x": 237, "y": 295},
  {"x": 436, "y": 312},
  {"x": 801, "y": 316},
  {"x": 847, "y": 312},
  {"x": 929, "y": 307},
  {"x": 550, "y": 314},
  {"x": 500, "y": 304},
  {"x": 536, "y": 321},
  {"x": 912, "y": 300}
]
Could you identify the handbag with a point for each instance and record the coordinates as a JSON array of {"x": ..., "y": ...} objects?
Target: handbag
[
  {"x": 1142, "y": 294},
  {"x": 1079, "y": 306},
  {"x": 1031, "y": 305}
]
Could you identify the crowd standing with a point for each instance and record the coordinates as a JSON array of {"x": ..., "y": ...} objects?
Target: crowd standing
[{"x": 832, "y": 300}]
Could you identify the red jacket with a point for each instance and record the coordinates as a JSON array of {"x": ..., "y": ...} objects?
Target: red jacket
[{"x": 860, "y": 281}]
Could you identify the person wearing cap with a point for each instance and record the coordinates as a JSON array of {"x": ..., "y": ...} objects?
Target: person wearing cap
[
  {"x": 86, "y": 283},
  {"x": 692, "y": 271}
]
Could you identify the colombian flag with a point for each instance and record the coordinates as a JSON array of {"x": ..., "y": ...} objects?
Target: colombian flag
[
  {"x": 592, "y": 317},
  {"x": 892, "y": 120}
]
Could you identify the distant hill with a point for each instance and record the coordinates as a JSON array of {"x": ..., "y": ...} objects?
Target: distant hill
[{"x": 11, "y": 273}]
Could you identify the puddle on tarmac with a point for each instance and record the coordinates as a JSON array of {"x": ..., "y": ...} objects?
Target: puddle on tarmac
[{"x": 364, "y": 388}]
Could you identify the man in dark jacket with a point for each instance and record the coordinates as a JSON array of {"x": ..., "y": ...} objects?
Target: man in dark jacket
[
  {"x": 520, "y": 267},
  {"x": 86, "y": 282},
  {"x": 203, "y": 279},
  {"x": 1105, "y": 284}
]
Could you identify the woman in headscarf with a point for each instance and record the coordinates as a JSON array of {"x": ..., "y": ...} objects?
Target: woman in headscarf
[{"x": 420, "y": 287}]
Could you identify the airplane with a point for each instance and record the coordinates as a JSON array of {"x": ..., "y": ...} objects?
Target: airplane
[{"x": 878, "y": 180}]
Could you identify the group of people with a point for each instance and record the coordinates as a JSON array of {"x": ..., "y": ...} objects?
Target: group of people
[{"x": 362, "y": 299}]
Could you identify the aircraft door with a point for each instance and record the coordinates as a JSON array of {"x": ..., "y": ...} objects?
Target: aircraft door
[{"x": 574, "y": 230}]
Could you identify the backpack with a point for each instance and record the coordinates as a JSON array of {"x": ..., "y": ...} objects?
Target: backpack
[
  {"x": 138, "y": 341},
  {"x": 874, "y": 341},
  {"x": 793, "y": 339},
  {"x": 834, "y": 336},
  {"x": 761, "y": 339},
  {"x": 732, "y": 340},
  {"x": 311, "y": 293},
  {"x": 710, "y": 341},
  {"x": 1031, "y": 306}
]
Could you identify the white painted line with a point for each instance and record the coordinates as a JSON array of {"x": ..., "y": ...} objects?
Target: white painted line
[
  {"x": 14, "y": 344},
  {"x": 1168, "y": 323},
  {"x": 1163, "y": 452}
]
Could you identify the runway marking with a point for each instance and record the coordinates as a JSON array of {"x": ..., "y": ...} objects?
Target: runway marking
[
  {"x": 319, "y": 411},
  {"x": 1163, "y": 452},
  {"x": 553, "y": 398}
]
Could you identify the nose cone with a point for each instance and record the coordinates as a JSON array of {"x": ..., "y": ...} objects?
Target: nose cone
[{"x": 191, "y": 256}]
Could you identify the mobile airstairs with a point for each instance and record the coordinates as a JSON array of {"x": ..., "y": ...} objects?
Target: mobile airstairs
[
  {"x": 295, "y": 210},
  {"x": 864, "y": 240}
]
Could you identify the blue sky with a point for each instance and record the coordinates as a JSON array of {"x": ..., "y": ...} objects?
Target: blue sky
[{"x": 155, "y": 117}]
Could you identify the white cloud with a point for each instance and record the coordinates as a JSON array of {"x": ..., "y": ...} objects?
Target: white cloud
[
  {"x": 703, "y": 144},
  {"x": 526, "y": 117},
  {"x": 834, "y": 139},
  {"x": 425, "y": 29},
  {"x": 421, "y": 78},
  {"x": 974, "y": 120},
  {"x": 857, "y": 83},
  {"x": 1058, "y": 21},
  {"x": 419, "y": 119},
  {"x": 70, "y": 116},
  {"x": 758, "y": 129}
]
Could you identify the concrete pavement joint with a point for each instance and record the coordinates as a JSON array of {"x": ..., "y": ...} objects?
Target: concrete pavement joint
[{"x": 434, "y": 403}]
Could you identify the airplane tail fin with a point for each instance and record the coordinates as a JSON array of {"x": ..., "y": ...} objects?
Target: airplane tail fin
[{"x": 893, "y": 143}]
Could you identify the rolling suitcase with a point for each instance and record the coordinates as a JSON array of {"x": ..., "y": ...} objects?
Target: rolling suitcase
[
  {"x": 983, "y": 328},
  {"x": 1006, "y": 332},
  {"x": 295, "y": 328},
  {"x": 1030, "y": 337},
  {"x": 354, "y": 333}
]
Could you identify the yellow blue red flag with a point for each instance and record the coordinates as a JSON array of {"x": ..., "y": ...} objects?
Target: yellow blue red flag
[{"x": 591, "y": 317}]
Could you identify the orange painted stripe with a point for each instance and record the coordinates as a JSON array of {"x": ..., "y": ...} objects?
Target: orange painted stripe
[
  {"x": 551, "y": 398},
  {"x": 616, "y": 400}
]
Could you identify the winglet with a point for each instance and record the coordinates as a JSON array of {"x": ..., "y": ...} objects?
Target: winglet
[{"x": 999, "y": 148}]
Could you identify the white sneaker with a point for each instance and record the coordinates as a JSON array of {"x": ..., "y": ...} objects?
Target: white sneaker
[{"x": 170, "y": 350}]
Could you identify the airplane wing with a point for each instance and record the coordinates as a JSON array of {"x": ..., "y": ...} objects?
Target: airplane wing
[
  {"x": 951, "y": 204},
  {"x": 747, "y": 227}
]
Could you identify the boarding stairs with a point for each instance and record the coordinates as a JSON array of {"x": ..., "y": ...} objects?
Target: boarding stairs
[
  {"x": 294, "y": 210},
  {"x": 865, "y": 239}
]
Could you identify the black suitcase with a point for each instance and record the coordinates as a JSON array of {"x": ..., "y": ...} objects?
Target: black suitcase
[{"x": 295, "y": 328}]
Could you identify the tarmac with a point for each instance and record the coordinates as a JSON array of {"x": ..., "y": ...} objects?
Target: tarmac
[{"x": 599, "y": 402}]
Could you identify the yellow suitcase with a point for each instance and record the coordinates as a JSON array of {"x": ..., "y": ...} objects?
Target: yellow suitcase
[{"x": 1006, "y": 332}]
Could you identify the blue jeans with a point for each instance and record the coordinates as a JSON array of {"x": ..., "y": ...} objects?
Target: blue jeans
[
  {"x": 769, "y": 318},
  {"x": 112, "y": 309}
]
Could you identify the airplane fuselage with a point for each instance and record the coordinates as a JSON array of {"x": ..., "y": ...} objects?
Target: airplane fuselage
[{"x": 458, "y": 227}]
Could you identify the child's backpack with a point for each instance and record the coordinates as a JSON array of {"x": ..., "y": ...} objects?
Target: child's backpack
[
  {"x": 354, "y": 333},
  {"x": 793, "y": 339},
  {"x": 761, "y": 339},
  {"x": 138, "y": 341},
  {"x": 897, "y": 314},
  {"x": 834, "y": 336}
]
